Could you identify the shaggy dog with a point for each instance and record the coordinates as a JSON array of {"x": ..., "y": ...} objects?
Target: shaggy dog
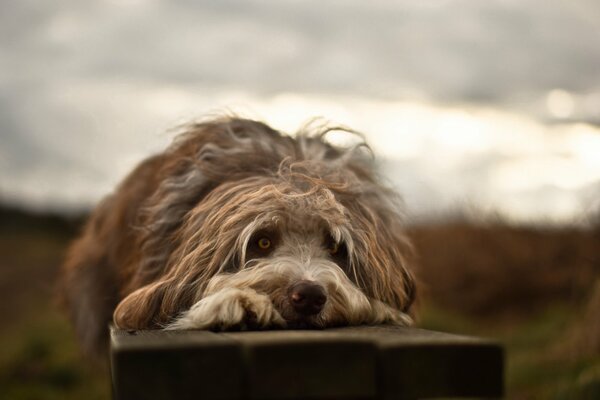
[{"x": 236, "y": 226}]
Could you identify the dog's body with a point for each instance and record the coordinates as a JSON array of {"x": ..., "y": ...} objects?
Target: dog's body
[{"x": 236, "y": 226}]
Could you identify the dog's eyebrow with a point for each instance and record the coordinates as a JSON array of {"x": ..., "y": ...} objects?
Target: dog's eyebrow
[
  {"x": 336, "y": 234},
  {"x": 242, "y": 242},
  {"x": 341, "y": 234}
]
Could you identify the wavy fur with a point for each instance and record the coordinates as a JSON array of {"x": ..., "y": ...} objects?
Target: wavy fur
[{"x": 171, "y": 247}]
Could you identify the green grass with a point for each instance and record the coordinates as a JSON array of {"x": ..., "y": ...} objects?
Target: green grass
[{"x": 39, "y": 360}]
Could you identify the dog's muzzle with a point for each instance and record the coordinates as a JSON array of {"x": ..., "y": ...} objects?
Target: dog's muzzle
[{"x": 307, "y": 298}]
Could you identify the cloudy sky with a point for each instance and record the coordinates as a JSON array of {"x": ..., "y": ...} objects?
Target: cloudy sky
[{"x": 491, "y": 106}]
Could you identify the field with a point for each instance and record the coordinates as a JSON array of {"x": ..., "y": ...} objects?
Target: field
[{"x": 537, "y": 291}]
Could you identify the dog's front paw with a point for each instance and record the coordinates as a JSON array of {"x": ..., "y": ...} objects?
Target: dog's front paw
[{"x": 230, "y": 309}]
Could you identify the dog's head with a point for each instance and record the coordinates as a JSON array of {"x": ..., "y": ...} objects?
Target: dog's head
[{"x": 298, "y": 219}]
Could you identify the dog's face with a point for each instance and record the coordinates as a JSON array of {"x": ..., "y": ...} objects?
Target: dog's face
[
  {"x": 298, "y": 235},
  {"x": 297, "y": 248},
  {"x": 309, "y": 245}
]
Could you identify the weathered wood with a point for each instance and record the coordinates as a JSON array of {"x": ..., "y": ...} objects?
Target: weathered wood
[
  {"x": 308, "y": 365},
  {"x": 175, "y": 365},
  {"x": 380, "y": 362},
  {"x": 416, "y": 363}
]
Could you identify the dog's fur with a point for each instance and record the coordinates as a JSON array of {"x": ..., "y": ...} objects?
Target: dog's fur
[{"x": 175, "y": 246}]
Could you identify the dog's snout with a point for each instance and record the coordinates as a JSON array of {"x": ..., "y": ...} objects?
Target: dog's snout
[{"x": 307, "y": 298}]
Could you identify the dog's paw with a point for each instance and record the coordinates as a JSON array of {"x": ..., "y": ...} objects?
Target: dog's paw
[
  {"x": 230, "y": 309},
  {"x": 381, "y": 313}
]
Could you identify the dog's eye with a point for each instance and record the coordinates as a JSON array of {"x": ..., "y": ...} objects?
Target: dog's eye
[
  {"x": 264, "y": 243},
  {"x": 334, "y": 248},
  {"x": 261, "y": 244}
]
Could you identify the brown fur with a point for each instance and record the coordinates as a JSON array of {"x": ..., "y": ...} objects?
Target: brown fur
[{"x": 149, "y": 250}]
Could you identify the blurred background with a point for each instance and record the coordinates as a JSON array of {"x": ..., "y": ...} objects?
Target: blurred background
[{"x": 484, "y": 115}]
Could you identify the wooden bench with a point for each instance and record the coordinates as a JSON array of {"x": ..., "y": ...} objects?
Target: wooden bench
[{"x": 377, "y": 362}]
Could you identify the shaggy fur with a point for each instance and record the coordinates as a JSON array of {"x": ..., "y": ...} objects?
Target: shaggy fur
[{"x": 175, "y": 246}]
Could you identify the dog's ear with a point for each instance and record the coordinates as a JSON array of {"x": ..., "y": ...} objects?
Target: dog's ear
[
  {"x": 143, "y": 309},
  {"x": 383, "y": 251},
  {"x": 398, "y": 261}
]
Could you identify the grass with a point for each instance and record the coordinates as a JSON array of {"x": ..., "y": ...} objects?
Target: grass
[
  {"x": 539, "y": 366},
  {"x": 526, "y": 288},
  {"x": 40, "y": 360}
]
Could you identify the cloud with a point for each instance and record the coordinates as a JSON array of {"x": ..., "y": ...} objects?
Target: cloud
[
  {"x": 88, "y": 88},
  {"x": 455, "y": 50}
]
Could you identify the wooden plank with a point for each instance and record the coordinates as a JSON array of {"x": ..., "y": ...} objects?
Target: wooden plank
[
  {"x": 175, "y": 365},
  {"x": 415, "y": 363},
  {"x": 308, "y": 365},
  {"x": 380, "y": 362}
]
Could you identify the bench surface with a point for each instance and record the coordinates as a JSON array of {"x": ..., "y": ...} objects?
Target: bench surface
[{"x": 367, "y": 362}]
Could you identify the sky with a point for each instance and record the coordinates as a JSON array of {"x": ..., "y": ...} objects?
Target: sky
[{"x": 472, "y": 107}]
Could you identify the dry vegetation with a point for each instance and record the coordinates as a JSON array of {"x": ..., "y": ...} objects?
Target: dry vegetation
[
  {"x": 537, "y": 291},
  {"x": 495, "y": 270}
]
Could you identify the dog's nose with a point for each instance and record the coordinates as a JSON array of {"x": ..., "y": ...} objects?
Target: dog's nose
[{"x": 307, "y": 298}]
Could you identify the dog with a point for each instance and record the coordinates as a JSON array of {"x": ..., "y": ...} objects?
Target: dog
[{"x": 237, "y": 226}]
